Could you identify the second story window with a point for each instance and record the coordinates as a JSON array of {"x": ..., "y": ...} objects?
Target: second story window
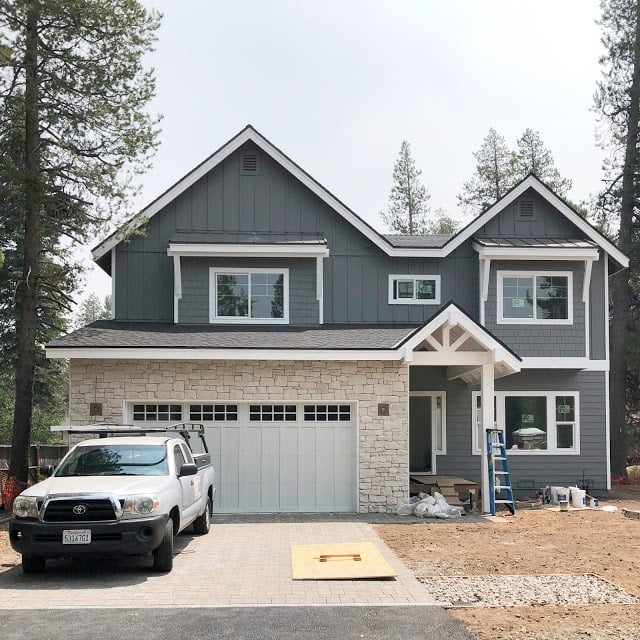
[
  {"x": 249, "y": 295},
  {"x": 412, "y": 289},
  {"x": 533, "y": 298}
]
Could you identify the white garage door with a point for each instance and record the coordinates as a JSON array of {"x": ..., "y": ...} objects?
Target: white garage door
[{"x": 275, "y": 457}]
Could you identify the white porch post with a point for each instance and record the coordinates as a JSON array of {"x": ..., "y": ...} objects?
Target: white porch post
[{"x": 487, "y": 393}]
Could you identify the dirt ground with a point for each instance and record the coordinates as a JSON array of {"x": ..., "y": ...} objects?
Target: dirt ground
[{"x": 535, "y": 542}]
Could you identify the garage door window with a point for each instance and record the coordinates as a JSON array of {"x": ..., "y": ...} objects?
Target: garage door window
[
  {"x": 157, "y": 412},
  {"x": 207, "y": 412},
  {"x": 327, "y": 412},
  {"x": 272, "y": 412}
]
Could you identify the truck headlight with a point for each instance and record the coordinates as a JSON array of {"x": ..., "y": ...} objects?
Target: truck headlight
[
  {"x": 25, "y": 507},
  {"x": 142, "y": 505}
]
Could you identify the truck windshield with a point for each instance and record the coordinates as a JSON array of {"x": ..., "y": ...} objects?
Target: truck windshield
[{"x": 115, "y": 460}]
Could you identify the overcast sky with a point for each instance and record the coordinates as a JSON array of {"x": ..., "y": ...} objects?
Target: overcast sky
[{"x": 338, "y": 84}]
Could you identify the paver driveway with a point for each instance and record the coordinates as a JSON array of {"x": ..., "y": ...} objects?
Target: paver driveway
[{"x": 238, "y": 563}]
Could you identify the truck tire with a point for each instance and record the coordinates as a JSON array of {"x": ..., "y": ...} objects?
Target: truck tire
[
  {"x": 33, "y": 564},
  {"x": 202, "y": 523},
  {"x": 163, "y": 553}
]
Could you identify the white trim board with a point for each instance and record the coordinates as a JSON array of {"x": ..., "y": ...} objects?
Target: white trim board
[
  {"x": 250, "y": 134},
  {"x": 583, "y": 364}
]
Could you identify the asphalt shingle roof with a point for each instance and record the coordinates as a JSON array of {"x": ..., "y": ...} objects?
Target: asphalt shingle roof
[
  {"x": 418, "y": 242},
  {"x": 112, "y": 334}
]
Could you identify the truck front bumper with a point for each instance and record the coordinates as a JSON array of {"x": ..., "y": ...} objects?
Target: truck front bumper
[{"x": 123, "y": 538}]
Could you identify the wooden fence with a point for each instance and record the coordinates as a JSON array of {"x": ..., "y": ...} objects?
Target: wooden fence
[{"x": 39, "y": 454}]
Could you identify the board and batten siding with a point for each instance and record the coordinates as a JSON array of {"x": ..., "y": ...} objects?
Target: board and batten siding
[
  {"x": 194, "y": 305},
  {"x": 546, "y": 221},
  {"x": 528, "y": 472},
  {"x": 355, "y": 274}
]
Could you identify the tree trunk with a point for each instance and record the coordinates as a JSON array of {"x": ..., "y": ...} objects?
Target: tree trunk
[
  {"x": 27, "y": 322},
  {"x": 620, "y": 283}
]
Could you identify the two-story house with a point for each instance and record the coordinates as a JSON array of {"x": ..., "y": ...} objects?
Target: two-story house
[{"x": 328, "y": 361}]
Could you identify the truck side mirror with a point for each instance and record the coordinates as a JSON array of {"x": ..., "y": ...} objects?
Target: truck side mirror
[
  {"x": 46, "y": 470},
  {"x": 188, "y": 469}
]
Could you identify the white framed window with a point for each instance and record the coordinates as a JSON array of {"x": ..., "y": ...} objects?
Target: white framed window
[
  {"x": 533, "y": 422},
  {"x": 413, "y": 289},
  {"x": 541, "y": 297},
  {"x": 250, "y": 296}
]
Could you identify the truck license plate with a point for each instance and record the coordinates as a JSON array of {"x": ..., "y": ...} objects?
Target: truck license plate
[{"x": 76, "y": 536}]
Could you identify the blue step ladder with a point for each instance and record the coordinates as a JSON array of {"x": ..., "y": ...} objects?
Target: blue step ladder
[{"x": 500, "y": 491}]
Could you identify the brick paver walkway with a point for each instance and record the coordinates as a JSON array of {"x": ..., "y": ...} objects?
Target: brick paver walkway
[{"x": 238, "y": 563}]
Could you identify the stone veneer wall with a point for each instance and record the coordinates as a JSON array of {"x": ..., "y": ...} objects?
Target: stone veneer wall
[{"x": 383, "y": 441}]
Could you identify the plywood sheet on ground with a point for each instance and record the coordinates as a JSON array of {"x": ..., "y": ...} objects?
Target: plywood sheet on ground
[{"x": 339, "y": 561}]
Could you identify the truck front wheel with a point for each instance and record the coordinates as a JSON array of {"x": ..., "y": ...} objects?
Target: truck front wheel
[
  {"x": 33, "y": 564},
  {"x": 202, "y": 523},
  {"x": 163, "y": 554}
]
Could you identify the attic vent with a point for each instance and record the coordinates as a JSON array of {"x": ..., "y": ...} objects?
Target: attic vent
[
  {"x": 525, "y": 210},
  {"x": 250, "y": 163}
]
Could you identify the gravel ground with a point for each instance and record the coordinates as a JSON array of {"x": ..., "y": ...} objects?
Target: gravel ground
[
  {"x": 509, "y": 591},
  {"x": 497, "y": 555}
]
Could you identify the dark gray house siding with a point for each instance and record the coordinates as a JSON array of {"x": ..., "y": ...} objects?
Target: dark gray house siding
[
  {"x": 355, "y": 275},
  {"x": 545, "y": 223},
  {"x": 194, "y": 305},
  {"x": 526, "y": 471},
  {"x": 540, "y": 340}
]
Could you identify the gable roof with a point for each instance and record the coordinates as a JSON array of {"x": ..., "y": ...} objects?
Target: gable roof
[{"x": 433, "y": 246}]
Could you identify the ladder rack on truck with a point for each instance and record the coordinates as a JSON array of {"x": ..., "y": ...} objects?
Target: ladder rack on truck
[{"x": 184, "y": 429}]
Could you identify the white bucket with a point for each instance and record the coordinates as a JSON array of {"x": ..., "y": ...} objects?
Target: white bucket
[{"x": 578, "y": 497}]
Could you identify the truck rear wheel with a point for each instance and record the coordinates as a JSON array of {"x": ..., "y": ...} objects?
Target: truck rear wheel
[
  {"x": 163, "y": 554},
  {"x": 202, "y": 523},
  {"x": 33, "y": 564}
]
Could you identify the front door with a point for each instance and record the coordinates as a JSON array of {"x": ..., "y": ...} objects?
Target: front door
[{"x": 421, "y": 450}]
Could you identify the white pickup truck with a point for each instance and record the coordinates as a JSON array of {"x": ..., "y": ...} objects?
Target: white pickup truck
[{"x": 126, "y": 494}]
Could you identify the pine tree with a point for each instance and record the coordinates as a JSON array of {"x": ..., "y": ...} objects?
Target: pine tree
[
  {"x": 493, "y": 177},
  {"x": 533, "y": 157},
  {"x": 72, "y": 83},
  {"x": 408, "y": 209},
  {"x": 618, "y": 102},
  {"x": 92, "y": 309}
]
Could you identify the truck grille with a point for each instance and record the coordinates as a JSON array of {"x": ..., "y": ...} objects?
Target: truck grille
[{"x": 71, "y": 510}]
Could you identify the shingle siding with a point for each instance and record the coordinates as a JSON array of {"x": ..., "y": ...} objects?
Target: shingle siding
[
  {"x": 540, "y": 340},
  {"x": 542, "y": 469}
]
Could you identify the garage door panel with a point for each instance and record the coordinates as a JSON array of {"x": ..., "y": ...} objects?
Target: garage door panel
[
  {"x": 301, "y": 458},
  {"x": 307, "y": 469},
  {"x": 345, "y": 477},
  {"x": 230, "y": 467},
  {"x": 270, "y": 476},
  {"x": 213, "y": 436},
  {"x": 325, "y": 459},
  {"x": 289, "y": 467}
]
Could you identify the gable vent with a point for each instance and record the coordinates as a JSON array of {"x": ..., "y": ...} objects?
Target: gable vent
[
  {"x": 526, "y": 210},
  {"x": 250, "y": 163}
]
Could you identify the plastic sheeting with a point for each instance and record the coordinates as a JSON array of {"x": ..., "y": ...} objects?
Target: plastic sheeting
[{"x": 426, "y": 506}]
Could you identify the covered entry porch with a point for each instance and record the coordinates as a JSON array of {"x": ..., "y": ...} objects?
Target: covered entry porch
[{"x": 449, "y": 357}]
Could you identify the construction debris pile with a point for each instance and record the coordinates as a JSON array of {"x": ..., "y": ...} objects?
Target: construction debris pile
[{"x": 425, "y": 506}]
